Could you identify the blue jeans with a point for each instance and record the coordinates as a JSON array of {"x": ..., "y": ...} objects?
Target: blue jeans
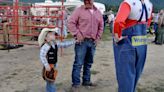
[
  {"x": 50, "y": 87},
  {"x": 84, "y": 54},
  {"x": 156, "y": 31},
  {"x": 155, "y": 27},
  {"x": 111, "y": 26},
  {"x": 130, "y": 55}
]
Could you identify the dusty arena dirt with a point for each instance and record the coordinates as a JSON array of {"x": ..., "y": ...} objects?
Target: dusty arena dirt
[{"x": 20, "y": 70}]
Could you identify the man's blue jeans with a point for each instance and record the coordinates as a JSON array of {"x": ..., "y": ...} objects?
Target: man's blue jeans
[
  {"x": 84, "y": 54},
  {"x": 130, "y": 56}
]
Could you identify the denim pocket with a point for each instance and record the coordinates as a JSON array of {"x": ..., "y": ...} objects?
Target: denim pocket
[
  {"x": 127, "y": 51},
  {"x": 123, "y": 42},
  {"x": 127, "y": 55}
]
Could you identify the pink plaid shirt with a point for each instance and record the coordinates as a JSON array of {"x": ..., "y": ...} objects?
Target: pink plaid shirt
[{"x": 86, "y": 24}]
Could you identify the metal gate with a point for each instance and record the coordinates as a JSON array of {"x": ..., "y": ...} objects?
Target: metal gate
[{"x": 21, "y": 23}]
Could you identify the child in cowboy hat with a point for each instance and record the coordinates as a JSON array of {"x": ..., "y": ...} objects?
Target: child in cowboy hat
[{"x": 48, "y": 55}]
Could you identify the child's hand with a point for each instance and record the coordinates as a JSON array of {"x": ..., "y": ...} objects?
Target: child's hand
[{"x": 48, "y": 68}]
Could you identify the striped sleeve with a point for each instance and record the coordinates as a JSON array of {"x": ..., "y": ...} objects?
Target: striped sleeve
[
  {"x": 43, "y": 53},
  {"x": 65, "y": 44}
]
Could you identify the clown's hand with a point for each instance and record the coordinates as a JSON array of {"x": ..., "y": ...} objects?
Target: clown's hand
[{"x": 117, "y": 38}]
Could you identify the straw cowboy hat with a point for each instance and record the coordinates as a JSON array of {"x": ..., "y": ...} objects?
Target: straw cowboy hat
[{"x": 43, "y": 34}]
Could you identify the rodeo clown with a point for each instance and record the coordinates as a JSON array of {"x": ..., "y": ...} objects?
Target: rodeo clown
[
  {"x": 49, "y": 53},
  {"x": 130, "y": 42}
]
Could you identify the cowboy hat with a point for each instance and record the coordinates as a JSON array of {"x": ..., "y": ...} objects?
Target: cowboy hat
[{"x": 43, "y": 34}]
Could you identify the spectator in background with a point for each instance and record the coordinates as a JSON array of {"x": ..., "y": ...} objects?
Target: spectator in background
[
  {"x": 1, "y": 17},
  {"x": 160, "y": 32},
  {"x": 161, "y": 18},
  {"x": 155, "y": 19},
  {"x": 63, "y": 32},
  {"x": 105, "y": 18},
  {"x": 110, "y": 20}
]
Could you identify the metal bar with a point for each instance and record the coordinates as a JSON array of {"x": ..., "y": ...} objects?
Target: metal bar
[
  {"x": 13, "y": 15},
  {"x": 41, "y": 6},
  {"x": 34, "y": 26},
  {"x": 25, "y": 16},
  {"x": 62, "y": 25},
  {"x": 36, "y": 34},
  {"x": 20, "y": 43},
  {"x": 6, "y": 1},
  {"x": 1, "y": 6},
  {"x": 21, "y": 34}
]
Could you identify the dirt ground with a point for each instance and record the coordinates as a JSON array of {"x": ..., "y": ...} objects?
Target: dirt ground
[{"x": 20, "y": 70}]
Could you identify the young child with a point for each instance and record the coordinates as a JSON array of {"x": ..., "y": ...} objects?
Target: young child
[{"x": 48, "y": 55}]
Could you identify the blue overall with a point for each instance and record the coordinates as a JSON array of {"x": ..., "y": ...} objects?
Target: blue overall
[{"x": 130, "y": 56}]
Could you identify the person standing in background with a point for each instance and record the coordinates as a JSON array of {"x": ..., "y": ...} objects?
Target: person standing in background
[
  {"x": 111, "y": 20},
  {"x": 160, "y": 32},
  {"x": 105, "y": 18},
  {"x": 155, "y": 19}
]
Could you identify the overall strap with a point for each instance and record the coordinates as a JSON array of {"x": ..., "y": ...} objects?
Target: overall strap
[{"x": 146, "y": 12}]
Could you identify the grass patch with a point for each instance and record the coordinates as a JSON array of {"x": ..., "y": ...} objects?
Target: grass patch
[
  {"x": 107, "y": 36},
  {"x": 69, "y": 36},
  {"x": 93, "y": 72},
  {"x": 148, "y": 89},
  {"x": 1, "y": 47},
  {"x": 105, "y": 65},
  {"x": 157, "y": 87},
  {"x": 59, "y": 84},
  {"x": 150, "y": 35}
]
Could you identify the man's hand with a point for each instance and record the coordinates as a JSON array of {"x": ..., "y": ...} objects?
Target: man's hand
[
  {"x": 117, "y": 38},
  {"x": 79, "y": 38},
  {"x": 96, "y": 42},
  {"x": 48, "y": 68}
]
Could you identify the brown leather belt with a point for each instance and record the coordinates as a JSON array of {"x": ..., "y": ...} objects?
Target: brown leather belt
[{"x": 89, "y": 39}]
